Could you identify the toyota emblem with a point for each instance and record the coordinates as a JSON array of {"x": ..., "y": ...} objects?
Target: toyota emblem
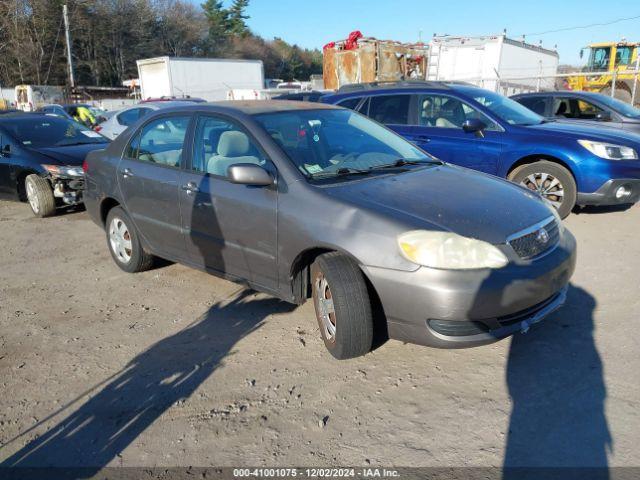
[{"x": 542, "y": 236}]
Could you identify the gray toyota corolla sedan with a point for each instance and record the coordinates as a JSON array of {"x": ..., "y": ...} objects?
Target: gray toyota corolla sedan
[{"x": 305, "y": 200}]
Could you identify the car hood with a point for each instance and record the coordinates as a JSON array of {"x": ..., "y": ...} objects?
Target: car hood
[
  {"x": 449, "y": 198},
  {"x": 587, "y": 132},
  {"x": 71, "y": 155}
]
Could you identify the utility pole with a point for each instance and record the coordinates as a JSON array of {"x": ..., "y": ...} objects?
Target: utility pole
[{"x": 65, "y": 16}]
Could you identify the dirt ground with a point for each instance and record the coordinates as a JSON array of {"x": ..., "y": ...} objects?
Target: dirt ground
[{"x": 174, "y": 367}]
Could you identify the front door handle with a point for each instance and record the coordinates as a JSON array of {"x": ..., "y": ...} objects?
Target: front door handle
[
  {"x": 421, "y": 139},
  {"x": 190, "y": 188},
  {"x": 126, "y": 173}
]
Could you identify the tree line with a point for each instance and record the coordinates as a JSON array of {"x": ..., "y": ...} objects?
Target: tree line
[{"x": 108, "y": 36}]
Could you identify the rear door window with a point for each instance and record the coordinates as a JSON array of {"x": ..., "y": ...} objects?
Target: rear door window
[
  {"x": 390, "y": 109},
  {"x": 161, "y": 141},
  {"x": 575, "y": 108}
]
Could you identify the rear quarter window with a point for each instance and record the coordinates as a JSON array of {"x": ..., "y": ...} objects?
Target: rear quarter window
[{"x": 350, "y": 103}]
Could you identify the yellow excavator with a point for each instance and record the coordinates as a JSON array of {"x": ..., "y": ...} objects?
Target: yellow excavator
[{"x": 612, "y": 58}]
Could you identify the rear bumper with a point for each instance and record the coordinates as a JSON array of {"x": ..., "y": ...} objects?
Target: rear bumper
[
  {"x": 606, "y": 194},
  {"x": 457, "y": 309}
]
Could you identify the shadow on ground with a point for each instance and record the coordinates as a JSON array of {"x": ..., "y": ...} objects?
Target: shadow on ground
[
  {"x": 555, "y": 380},
  {"x": 167, "y": 372},
  {"x": 593, "y": 209}
]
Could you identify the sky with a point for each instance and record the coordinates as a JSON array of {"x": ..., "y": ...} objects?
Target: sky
[{"x": 313, "y": 24}]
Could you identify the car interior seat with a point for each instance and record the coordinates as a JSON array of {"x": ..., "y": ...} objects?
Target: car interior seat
[
  {"x": 562, "y": 109},
  {"x": 233, "y": 147},
  {"x": 451, "y": 115}
]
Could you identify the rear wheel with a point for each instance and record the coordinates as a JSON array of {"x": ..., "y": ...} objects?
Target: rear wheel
[
  {"x": 554, "y": 182},
  {"x": 124, "y": 243},
  {"x": 342, "y": 305},
  {"x": 40, "y": 196}
]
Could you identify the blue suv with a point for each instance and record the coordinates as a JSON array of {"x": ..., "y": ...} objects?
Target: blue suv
[{"x": 461, "y": 124}]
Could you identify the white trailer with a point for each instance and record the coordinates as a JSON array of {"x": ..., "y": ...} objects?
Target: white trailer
[
  {"x": 492, "y": 62},
  {"x": 206, "y": 78},
  {"x": 32, "y": 97}
]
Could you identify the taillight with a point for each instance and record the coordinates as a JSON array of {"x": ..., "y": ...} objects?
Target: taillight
[
  {"x": 97, "y": 128},
  {"x": 85, "y": 166}
]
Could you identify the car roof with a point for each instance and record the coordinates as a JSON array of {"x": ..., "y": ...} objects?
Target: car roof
[
  {"x": 410, "y": 86},
  {"x": 24, "y": 115},
  {"x": 254, "y": 107},
  {"x": 554, "y": 93},
  {"x": 158, "y": 105}
]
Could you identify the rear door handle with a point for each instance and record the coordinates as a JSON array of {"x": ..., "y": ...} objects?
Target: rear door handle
[
  {"x": 126, "y": 173},
  {"x": 421, "y": 139},
  {"x": 190, "y": 188}
]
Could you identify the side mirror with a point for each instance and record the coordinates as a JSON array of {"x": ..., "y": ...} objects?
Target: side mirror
[
  {"x": 249, "y": 174},
  {"x": 474, "y": 125},
  {"x": 603, "y": 116}
]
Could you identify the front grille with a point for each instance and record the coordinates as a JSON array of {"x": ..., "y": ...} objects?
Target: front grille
[{"x": 533, "y": 243}]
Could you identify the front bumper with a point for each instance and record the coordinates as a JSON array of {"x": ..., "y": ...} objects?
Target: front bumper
[
  {"x": 606, "y": 194},
  {"x": 457, "y": 309}
]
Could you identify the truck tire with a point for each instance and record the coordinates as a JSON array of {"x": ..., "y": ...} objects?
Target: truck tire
[
  {"x": 124, "y": 243},
  {"x": 554, "y": 182},
  {"x": 342, "y": 305},
  {"x": 40, "y": 196}
]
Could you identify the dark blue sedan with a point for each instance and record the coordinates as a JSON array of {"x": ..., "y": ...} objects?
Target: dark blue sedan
[
  {"x": 566, "y": 164},
  {"x": 41, "y": 160}
]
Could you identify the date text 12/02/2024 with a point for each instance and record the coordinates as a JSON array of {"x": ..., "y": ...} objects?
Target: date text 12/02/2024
[{"x": 315, "y": 473}]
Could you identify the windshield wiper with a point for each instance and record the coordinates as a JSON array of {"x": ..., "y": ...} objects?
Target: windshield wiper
[
  {"x": 401, "y": 162},
  {"x": 72, "y": 144},
  {"x": 341, "y": 171}
]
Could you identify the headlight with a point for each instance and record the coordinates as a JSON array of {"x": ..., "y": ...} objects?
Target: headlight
[
  {"x": 64, "y": 171},
  {"x": 609, "y": 151},
  {"x": 447, "y": 250}
]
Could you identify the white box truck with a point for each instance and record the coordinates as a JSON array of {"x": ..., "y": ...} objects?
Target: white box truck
[
  {"x": 482, "y": 61},
  {"x": 206, "y": 78}
]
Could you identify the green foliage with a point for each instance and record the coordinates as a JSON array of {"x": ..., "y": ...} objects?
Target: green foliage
[
  {"x": 237, "y": 17},
  {"x": 108, "y": 36}
]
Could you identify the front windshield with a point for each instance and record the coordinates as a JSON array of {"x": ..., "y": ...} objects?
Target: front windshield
[
  {"x": 619, "y": 106},
  {"x": 328, "y": 143},
  {"x": 506, "y": 109},
  {"x": 50, "y": 131}
]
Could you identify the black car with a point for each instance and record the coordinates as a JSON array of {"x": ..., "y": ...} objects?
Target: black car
[
  {"x": 584, "y": 107},
  {"x": 41, "y": 160}
]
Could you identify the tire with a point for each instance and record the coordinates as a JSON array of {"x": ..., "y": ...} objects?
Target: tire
[
  {"x": 341, "y": 301},
  {"x": 621, "y": 93},
  {"x": 541, "y": 176},
  {"x": 40, "y": 196},
  {"x": 124, "y": 243}
]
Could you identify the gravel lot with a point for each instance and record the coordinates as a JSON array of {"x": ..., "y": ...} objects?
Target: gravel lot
[{"x": 174, "y": 367}]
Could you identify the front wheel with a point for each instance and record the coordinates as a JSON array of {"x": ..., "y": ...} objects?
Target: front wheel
[
  {"x": 552, "y": 181},
  {"x": 40, "y": 196},
  {"x": 124, "y": 243},
  {"x": 342, "y": 305}
]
